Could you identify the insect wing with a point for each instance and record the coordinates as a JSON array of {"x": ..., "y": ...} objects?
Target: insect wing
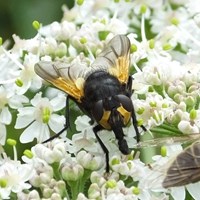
[
  {"x": 66, "y": 77},
  {"x": 167, "y": 141},
  {"x": 115, "y": 58},
  {"x": 185, "y": 168}
]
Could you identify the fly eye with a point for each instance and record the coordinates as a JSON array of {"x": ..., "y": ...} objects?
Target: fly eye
[
  {"x": 125, "y": 101},
  {"x": 98, "y": 110}
]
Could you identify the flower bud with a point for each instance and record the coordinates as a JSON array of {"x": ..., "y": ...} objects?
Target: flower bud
[
  {"x": 133, "y": 48},
  {"x": 97, "y": 178},
  {"x": 175, "y": 21},
  {"x": 56, "y": 196},
  {"x": 190, "y": 101},
  {"x": 1, "y": 41},
  {"x": 61, "y": 50},
  {"x": 163, "y": 151},
  {"x": 186, "y": 127},
  {"x": 94, "y": 191},
  {"x": 151, "y": 44},
  {"x": 136, "y": 190},
  {"x": 111, "y": 184},
  {"x": 88, "y": 161},
  {"x": 36, "y": 25},
  {"x": 193, "y": 114},
  {"x": 143, "y": 9},
  {"x": 47, "y": 192},
  {"x": 80, "y": 2},
  {"x": 81, "y": 196},
  {"x": 72, "y": 171}
]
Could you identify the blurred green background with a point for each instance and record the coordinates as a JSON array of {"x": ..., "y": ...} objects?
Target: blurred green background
[{"x": 16, "y": 16}]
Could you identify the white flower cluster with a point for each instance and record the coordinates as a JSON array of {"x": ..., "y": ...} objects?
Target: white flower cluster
[{"x": 165, "y": 57}]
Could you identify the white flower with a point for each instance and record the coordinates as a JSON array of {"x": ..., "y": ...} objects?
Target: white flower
[
  {"x": 50, "y": 153},
  {"x": 192, "y": 7},
  {"x": 60, "y": 31},
  {"x": 9, "y": 71},
  {"x": 89, "y": 161},
  {"x": 8, "y": 99},
  {"x": 30, "y": 45},
  {"x": 154, "y": 110},
  {"x": 27, "y": 76},
  {"x": 187, "y": 127},
  {"x": 13, "y": 176},
  {"x": 40, "y": 117}
]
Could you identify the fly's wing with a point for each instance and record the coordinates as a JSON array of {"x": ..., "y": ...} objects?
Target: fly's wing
[
  {"x": 167, "y": 141},
  {"x": 115, "y": 58},
  {"x": 66, "y": 77},
  {"x": 185, "y": 168}
]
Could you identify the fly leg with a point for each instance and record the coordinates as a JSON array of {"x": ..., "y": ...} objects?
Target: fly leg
[
  {"x": 96, "y": 129},
  {"x": 134, "y": 119},
  {"x": 116, "y": 124}
]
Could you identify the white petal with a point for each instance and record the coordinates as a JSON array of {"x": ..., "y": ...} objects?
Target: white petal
[
  {"x": 59, "y": 102},
  {"x": 178, "y": 193},
  {"x": 35, "y": 130},
  {"x": 5, "y": 116},
  {"x": 25, "y": 117},
  {"x": 17, "y": 100},
  {"x": 36, "y": 99},
  {"x": 2, "y": 134},
  {"x": 56, "y": 122},
  {"x": 194, "y": 191},
  {"x": 82, "y": 122}
]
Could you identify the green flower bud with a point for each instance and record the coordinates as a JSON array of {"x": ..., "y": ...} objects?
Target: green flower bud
[
  {"x": 111, "y": 184},
  {"x": 193, "y": 114},
  {"x": 36, "y": 25},
  {"x": 115, "y": 161},
  {"x": 167, "y": 47},
  {"x": 136, "y": 191},
  {"x": 175, "y": 21},
  {"x": 190, "y": 101},
  {"x": 19, "y": 82},
  {"x": 140, "y": 110},
  {"x": 3, "y": 183},
  {"x": 143, "y": 9},
  {"x": 1, "y": 41},
  {"x": 133, "y": 48},
  {"x": 151, "y": 44},
  {"x": 79, "y": 2},
  {"x": 11, "y": 142},
  {"x": 83, "y": 40},
  {"x": 163, "y": 151},
  {"x": 28, "y": 153}
]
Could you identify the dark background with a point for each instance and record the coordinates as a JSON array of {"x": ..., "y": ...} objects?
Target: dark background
[{"x": 16, "y": 16}]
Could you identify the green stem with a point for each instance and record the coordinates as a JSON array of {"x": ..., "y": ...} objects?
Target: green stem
[
  {"x": 79, "y": 185},
  {"x": 56, "y": 171},
  {"x": 74, "y": 188},
  {"x": 84, "y": 179}
]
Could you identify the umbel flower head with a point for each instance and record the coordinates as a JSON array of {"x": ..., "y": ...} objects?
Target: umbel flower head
[{"x": 165, "y": 70}]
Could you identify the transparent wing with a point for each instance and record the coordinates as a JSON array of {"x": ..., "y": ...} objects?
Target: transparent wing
[
  {"x": 69, "y": 78},
  {"x": 115, "y": 58},
  {"x": 167, "y": 141},
  {"x": 185, "y": 168}
]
